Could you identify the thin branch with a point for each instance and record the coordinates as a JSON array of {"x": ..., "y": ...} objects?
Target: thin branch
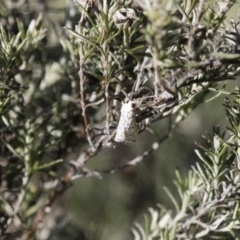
[
  {"x": 82, "y": 79},
  {"x": 141, "y": 157},
  {"x": 106, "y": 85}
]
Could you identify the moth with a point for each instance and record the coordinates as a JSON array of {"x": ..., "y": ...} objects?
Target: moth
[{"x": 127, "y": 129}]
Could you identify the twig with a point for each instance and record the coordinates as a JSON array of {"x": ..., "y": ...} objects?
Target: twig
[
  {"x": 139, "y": 158},
  {"x": 106, "y": 84},
  {"x": 204, "y": 209},
  {"x": 82, "y": 79},
  {"x": 141, "y": 76},
  {"x": 58, "y": 191}
]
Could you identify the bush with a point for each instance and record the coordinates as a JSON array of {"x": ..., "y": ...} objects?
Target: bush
[{"x": 123, "y": 67}]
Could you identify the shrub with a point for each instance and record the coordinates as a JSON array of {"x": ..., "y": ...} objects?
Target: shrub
[{"x": 124, "y": 66}]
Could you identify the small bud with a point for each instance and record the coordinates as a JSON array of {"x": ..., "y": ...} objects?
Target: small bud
[{"x": 124, "y": 15}]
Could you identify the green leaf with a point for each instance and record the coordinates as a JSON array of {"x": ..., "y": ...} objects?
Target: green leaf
[
  {"x": 21, "y": 45},
  {"x": 174, "y": 201},
  {"x": 47, "y": 165},
  {"x": 84, "y": 39},
  {"x": 227, "y": 56},
  {"x": 11, "y": 149}
]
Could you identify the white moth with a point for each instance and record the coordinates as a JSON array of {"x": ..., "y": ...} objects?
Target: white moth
[{"x": 127, "y": 129}]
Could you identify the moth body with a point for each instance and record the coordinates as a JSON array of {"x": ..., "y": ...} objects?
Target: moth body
[{"x": 127, "y": 129}]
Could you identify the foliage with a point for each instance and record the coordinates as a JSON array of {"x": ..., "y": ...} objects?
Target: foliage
[
  {"x": 209, "y": 195},
  {"x": 125, "y": 65}
]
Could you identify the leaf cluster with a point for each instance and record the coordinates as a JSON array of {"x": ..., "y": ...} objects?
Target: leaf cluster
[
  {"x": 209, "y": 195},
  {"x": 165, "y": 57}
]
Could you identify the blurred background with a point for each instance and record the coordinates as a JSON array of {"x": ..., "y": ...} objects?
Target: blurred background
[{"x": 106, "y": 209}]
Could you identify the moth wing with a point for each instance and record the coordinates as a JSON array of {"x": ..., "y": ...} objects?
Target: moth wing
[
  {"x": 127, "y": 130},
  {"x": 120, "y": 131},
  {"x": 131, "y": 133}
]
